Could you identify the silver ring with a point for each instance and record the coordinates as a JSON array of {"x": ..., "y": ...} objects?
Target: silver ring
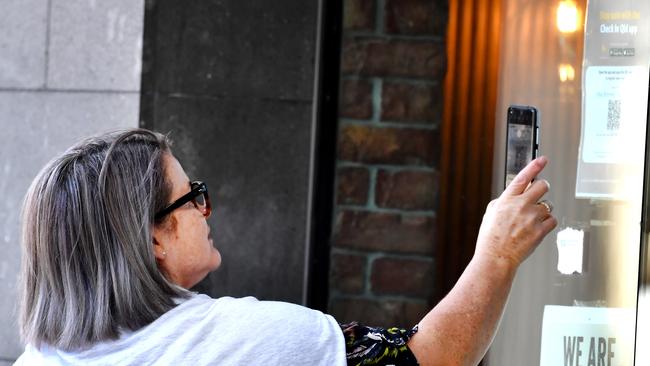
[{"x": 547, "y": 204}]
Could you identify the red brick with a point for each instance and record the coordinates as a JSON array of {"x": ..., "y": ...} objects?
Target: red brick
[
  {"x": 407, "y": 102},
  {"x": 348, "y": 273},
  {"x": 389, "y": 145},
  {"x": 407, "y": 190},
  {"x": 379, "y": 57},
  {"x": 399, "y": 276},
  {"x": 378, "y": 313},
  {"x": 356, "y": 99},
  {"x": 359, "y": 15},
  {"x": 385, "y": 232},
  {"x": 352, "y": 186},
  {"x": 422, "y": 17}
]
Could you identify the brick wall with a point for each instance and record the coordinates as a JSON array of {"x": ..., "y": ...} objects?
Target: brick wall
[{"x": 392, "y": 68}]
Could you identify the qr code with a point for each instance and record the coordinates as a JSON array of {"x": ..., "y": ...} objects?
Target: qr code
[{"x": 613, "y": 114}]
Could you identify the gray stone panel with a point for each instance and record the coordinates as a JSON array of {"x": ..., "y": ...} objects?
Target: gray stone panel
[
  {"x": 35, "y": 127},
  {"x": 253, "y": 49},
  {"x": 254, "y": 155},
  {"x": 23, "y": 29},
  {"x": 96, "y": 44}
]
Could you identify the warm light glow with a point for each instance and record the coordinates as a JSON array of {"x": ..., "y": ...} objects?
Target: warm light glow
[
  {"x": 566, "y": 72},
  {"x": 567, "y": 17}
]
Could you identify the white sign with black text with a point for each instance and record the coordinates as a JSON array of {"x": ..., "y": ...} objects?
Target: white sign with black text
[{"x": 587, "y": 336}]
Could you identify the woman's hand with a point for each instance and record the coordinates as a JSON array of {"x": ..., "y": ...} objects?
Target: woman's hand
[
  {"x": 461, "y": 327},
  {"x": 515, "y": 223}
]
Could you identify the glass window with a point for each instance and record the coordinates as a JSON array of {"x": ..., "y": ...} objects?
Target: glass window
[{"x": 585, "y": 67}]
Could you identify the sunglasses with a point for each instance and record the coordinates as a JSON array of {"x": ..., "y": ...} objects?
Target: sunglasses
[{"x": 198, "y": 196}]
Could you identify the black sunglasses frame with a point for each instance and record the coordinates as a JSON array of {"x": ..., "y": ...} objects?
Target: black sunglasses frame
[{"x": 198, "y": 188}]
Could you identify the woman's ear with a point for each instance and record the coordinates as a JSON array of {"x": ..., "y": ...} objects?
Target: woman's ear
[{"x": 159, "y": 250}]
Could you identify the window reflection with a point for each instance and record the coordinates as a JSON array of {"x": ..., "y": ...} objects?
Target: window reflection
[{"x": 578, "y": 292}]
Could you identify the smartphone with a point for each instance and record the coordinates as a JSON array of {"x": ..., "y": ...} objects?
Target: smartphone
[{"x": 522, "y": 139}]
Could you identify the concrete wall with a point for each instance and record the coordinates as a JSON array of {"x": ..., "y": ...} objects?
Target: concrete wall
[
  {"x": 68, "y": 68},
  {"x": 233, "y": 82}
]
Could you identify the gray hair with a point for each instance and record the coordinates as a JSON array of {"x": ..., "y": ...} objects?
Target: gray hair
[{"x": 88, "y": 269}]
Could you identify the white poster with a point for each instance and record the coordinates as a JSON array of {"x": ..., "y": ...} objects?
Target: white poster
[
  {"x": 587, "y": 336},
  {"x": 614, "y": 100}
]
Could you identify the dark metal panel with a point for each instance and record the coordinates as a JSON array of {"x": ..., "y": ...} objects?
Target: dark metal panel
[
  {"x": 234, "y": 83},
  {"x": 253, "y": 156},
  {"x": 259, "y": 49}
]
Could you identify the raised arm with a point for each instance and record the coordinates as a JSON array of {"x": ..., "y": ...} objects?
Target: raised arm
[{"x": 459, "y": 330}]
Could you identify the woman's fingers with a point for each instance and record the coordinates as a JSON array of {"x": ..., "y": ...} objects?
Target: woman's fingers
[
  {"x": 536, "y": 191},
  {"x": 525, "y": 176},
  {"x": 548, "y": 225},
  {"x": 540, "y": 212}
]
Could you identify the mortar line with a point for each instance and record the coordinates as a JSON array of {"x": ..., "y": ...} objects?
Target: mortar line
[
  {"x": 379, "y": 17},
  {"x": 44, "y": 90},
  {"x": 389, "y": 167},
  {"x": 48, "y": 23}
]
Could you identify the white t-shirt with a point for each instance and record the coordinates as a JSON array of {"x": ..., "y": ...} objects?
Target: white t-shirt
[{"x": 224, "y": 331}]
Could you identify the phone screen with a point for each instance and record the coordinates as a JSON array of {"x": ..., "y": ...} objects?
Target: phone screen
[{"x": 521, "y": 140}]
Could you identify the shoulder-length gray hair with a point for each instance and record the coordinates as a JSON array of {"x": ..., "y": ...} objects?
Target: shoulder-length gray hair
[{"x": 88, "y": 268}]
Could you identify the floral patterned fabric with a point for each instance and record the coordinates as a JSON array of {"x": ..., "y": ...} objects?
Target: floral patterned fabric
[{"x": 377, "y": 346}]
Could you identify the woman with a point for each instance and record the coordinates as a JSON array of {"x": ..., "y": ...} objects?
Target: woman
[{"x": 114, "y": 233}]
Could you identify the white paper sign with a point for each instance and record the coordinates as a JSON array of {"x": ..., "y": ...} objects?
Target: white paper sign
[
  {"x": 615, "y": 114},
  {"x": 584, "y": 336},
  {"x": 570, "y": 248},
  {"x": 614, "y": 99}
]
